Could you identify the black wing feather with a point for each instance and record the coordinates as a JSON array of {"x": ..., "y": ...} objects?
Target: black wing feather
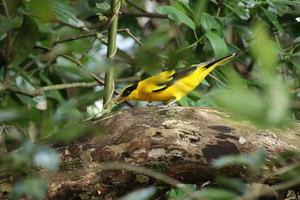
[{"x": 176, "y": 76}]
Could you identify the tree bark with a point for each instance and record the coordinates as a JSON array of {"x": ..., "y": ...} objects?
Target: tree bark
[{"x": 180, "y": 142}]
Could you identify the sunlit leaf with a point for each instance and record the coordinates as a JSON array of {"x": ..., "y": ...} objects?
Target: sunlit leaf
[
  {"x": 42, "y": 9},
  {"x": 210, "y": 23},
  {"x": 66, "y": 14},
  {"x": 255, "y": 160},
  {"x": 216, "y": 194},
  {"x": 218, "y": 44},
  {"x": 5, "y": 25},
  {"x": 176, "y": 15},
  {"x": 181, "y": 191},
  {"x": 242, "y": 103},
  {"x": 273, "y": 19},
  {"x": 242, "y": 13},
  {"x": 103, "y": 6},
  {"x": 25, "y": 40},
  {"x": 264, "y": 49}
]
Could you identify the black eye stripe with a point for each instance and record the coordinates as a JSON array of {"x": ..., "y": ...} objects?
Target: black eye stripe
[{"x": 129, "y": 89}]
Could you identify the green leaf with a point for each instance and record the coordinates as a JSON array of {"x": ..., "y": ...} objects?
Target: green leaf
[
  {"x": 25, "y": 40},
  {"x": 177, "y": 15},
  {"x": 5, "y": 25},
  {"x": 210, "y": 23},
  {"x": 42, "y": 9},
  {"x": 218, "y": 44},
  {"x": 32, "y": 188},
  {"x": 103, "y": 6},
  {"x": 253, "y": 160},
  {"x": 242, "y": 13},
  {"x": 183, "y": 6},
  {"x": 216, "y": 194},
  {"x": 67, "y": 112},
  {"x": 141, "y": 194},
  {"x": 181, "y": 191},
  {"x": 296, "y": 40},
  {"x": 66, "y": 14},
  {"x": 273, "y": 19},
  {"x": 265, "y": 51}
]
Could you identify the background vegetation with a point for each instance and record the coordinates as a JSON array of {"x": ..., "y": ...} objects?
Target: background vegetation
[{"x": 53, "y": 57}]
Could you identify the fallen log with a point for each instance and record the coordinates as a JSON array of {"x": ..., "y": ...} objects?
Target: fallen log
[{"x": 180, "y": 142}]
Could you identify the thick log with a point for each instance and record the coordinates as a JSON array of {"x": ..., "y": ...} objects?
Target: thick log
[{"x": 180, "y": 142}]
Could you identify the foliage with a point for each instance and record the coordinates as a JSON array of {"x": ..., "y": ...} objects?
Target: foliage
[{"x": 52, "y": 50}]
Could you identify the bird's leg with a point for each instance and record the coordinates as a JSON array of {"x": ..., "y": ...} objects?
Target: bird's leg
[
  {"x": 153, "y": 104},
  {"x": 172, "y": 103}
]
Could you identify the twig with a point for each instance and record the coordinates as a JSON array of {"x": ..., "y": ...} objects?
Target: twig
[
  {"x": 111, "y": 51},
  {"x": 148, "y": 15},
  {"x": 132, "y": 36},
  {"x": 72, "y": 38},
  {"x": 136, "y": 7},
  {"x": 82, "y": 28},
  {"x": 7, "y": 51},
  {"x": 94, "y": 76}
]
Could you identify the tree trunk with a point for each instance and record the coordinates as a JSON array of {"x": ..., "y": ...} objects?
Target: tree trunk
[{"x": 180, "y": 142}]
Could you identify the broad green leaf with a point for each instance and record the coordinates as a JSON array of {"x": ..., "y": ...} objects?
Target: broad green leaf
[
  {"x": 242, "y": 103},
  {"x": 218, "y": 44},
  {"x": 176, "y": 15},
  {"x": 273, "y": 19},
  {"x": 25, "y": 40},
  {"x": 67, "y": 112},
  {"x": 66, "y": 14},
  {"x": 296, "y": 40},
  {"x": 255, "y": 160},
  {"x": 242, "y": 13},
  {"x": 216, "y": 194},
  {"x": 278, "y": 103},
  {"x": 32, "y": 188},
  {"x": 5, "y": 25},
  {"x": 181, "y": 191},
  {"x": 264, "y": 50},
  {"x": 183, "y": 6},
  {"x": 70, "y": 133},
  {"x": 185, "y": 101},
  {"x": 210, "y": 23},
  {"x": 103, "y": 6},
  {"x": 42, "y": 9}
]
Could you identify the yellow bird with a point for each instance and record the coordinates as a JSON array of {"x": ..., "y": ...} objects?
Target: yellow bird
[{"x": 170, "y": 85}]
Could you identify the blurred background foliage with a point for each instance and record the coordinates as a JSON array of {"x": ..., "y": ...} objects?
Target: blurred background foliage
[{"x": 51, "y": 49}]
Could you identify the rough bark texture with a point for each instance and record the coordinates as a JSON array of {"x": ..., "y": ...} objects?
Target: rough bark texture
[{"x": 178, "y": 141}]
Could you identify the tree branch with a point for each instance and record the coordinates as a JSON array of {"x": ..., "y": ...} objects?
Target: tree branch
[
  {"x": 111, "y": 51},
  {"x": 148, "y": 15},
  {"x": 94, "y": 76}
]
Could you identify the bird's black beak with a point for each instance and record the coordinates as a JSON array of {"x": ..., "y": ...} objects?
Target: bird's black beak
[{"x": 118, "y": 99}]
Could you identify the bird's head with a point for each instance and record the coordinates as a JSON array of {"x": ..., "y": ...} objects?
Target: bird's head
[{"x": 126, "y": 94}]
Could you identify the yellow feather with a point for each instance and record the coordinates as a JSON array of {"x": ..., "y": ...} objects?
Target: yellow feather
[{"x": 165, "y": 87}]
